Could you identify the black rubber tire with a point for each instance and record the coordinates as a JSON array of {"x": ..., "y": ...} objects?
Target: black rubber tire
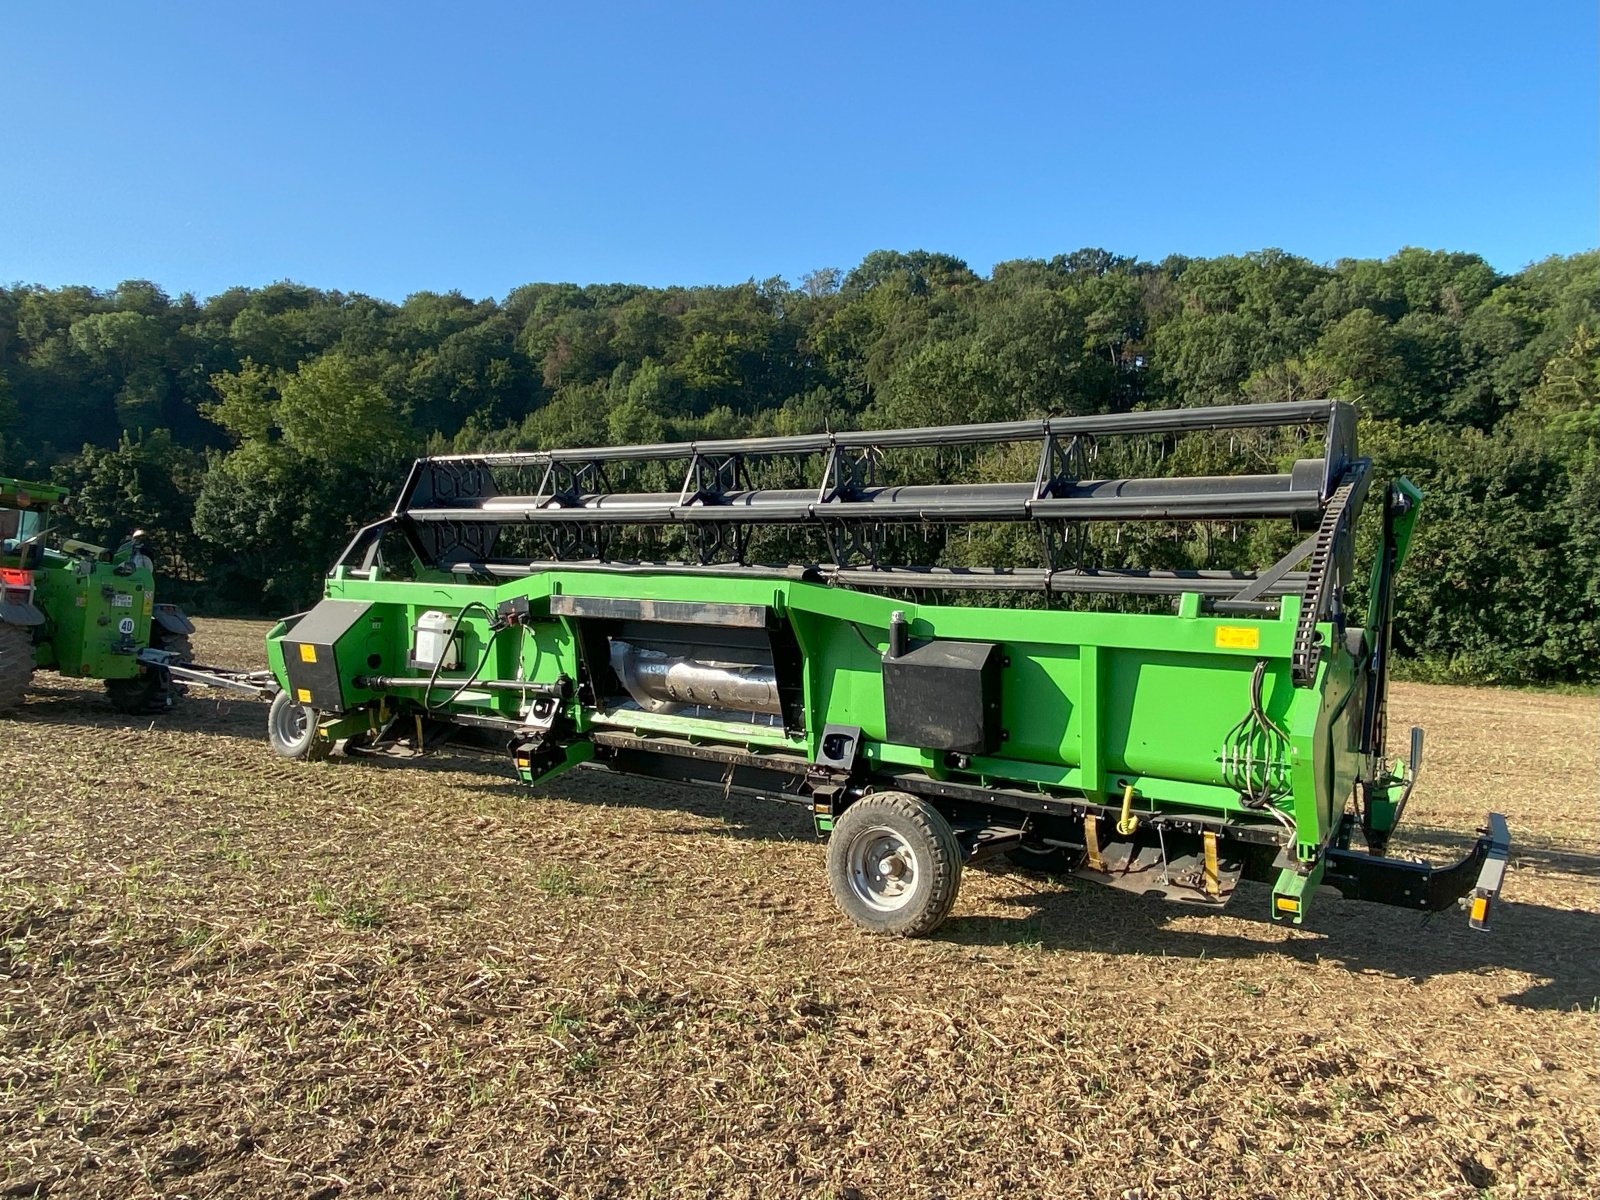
[
  {"x": 936, "y": 853},
  {"x": 298, "y": 746},
  {"x": 174, "y": 643},
  {"x": 16, "y": 666},
  {"x": 143, "y": 695}
]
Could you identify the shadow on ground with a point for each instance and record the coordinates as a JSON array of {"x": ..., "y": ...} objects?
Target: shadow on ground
[
  {"x": 55, "y": 701},
  {"x": 1556, "y": 945}
]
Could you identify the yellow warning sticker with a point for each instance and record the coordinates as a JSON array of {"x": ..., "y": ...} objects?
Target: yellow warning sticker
[
  {"x": 1238, "y": 637},
  {"x": 308, "y": 653},
  {"x": 303, "y": 695}
]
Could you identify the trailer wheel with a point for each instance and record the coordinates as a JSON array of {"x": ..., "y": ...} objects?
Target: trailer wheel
[
  {"x": 16, "y": 665},
  {"x": 894, "y": 864},
  {"x": 292, "y": 729}
]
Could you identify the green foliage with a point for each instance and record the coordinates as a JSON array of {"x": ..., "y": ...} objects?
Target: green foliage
[
  {"x": 253, "y": 431},
  {"x": 143, "y": 482},
  {"x": 1500, "y": 585}
]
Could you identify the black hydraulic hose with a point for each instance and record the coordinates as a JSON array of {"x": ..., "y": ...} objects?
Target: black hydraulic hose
[
  {"x": 1256, "y": 679},
  {"x": 433, "y": 675},
  {"x": 1270, "y": 729}
]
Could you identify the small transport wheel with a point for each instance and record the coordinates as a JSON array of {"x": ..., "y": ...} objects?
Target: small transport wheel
[
  {"x": 292, "y": 729},
  {"x": 894, "y": 864},
  {"x": 16, "y": 665}
]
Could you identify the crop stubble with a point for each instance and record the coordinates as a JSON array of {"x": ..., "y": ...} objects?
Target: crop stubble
[{"x": 225, "y": 975}]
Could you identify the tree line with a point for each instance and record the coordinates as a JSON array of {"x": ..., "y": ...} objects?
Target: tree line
[{"x": 251, "y": 432}]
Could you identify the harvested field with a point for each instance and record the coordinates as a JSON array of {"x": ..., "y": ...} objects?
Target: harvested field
[{"x": 224, "y": 975}]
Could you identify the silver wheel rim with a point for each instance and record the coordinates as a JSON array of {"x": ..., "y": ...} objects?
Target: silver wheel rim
[
  {"x": 883, "y": 869},
  {"x": 292, "y": 724}
]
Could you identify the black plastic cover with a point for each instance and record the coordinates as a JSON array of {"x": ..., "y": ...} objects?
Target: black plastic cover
[
  {"x": 309, "y": 653},
  {"x": 944, "y": 695}
]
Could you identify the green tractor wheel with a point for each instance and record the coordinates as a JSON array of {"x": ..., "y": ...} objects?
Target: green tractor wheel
[{"x": 16, "y": 665}]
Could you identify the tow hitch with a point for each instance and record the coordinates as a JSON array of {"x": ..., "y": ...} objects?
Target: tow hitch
[{"x": 259, "y": 684}]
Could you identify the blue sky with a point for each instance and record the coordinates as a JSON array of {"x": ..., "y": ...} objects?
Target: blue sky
[{"x": 389, "y": 148}]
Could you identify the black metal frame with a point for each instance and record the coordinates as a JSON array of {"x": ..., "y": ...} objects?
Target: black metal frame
[
  {"x": 452, "y": 507},
  {"x": 453, "y": 510}
]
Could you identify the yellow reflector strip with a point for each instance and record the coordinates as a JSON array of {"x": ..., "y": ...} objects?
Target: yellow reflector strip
[
  {"x": 308, "y": 653},
  {"x": 1238, "y": 637},
  {"x": 303, "y": 695},
  {"x": 1480, "y": 908},
  {"x": 1288, "y": 904}
]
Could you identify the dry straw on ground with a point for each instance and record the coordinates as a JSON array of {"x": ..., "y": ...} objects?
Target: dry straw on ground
[{"x": 221, "y": 975}]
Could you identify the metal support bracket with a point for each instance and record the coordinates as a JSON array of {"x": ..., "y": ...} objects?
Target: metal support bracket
[{"x": 1091, "y": 840}]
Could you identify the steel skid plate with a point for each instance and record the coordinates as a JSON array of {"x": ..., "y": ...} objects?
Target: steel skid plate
[{"x": 1142, "y": 868}]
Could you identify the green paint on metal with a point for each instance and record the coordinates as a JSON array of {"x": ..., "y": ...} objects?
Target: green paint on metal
[
  {"x": 695, "y": 727},
  {"x": 1091, "y": 700},
  {"x": 1092, "y": 667},
  {"x": 570, "y": 756},
  {"x": 1406, "y": 523},
  {"x": 1291, "y": 894}
]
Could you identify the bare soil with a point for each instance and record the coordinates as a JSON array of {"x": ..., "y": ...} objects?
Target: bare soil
[{"x": 225, "y": 975}]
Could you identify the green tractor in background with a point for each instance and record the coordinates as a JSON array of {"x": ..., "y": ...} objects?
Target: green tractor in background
[{"x": 81, "y": 610}]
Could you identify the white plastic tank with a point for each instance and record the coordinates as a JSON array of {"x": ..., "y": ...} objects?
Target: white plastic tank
[{"x": 434, "y": 644}]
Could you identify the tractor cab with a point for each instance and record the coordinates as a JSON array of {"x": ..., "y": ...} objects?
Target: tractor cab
[
  {"x": 25, "y": 520},
  {"x": 18, "y": 525}
]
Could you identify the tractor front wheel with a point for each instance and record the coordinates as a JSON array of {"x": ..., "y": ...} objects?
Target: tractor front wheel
[
  {"x": 16, "y": 665},
  {"x": 175, "y": 643},
  {"x": 292, "y": 729},
  {"x": 152, "y": 690},
  {"x": 894, "y": 864},
  {"x": 145, "y": 693}
]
